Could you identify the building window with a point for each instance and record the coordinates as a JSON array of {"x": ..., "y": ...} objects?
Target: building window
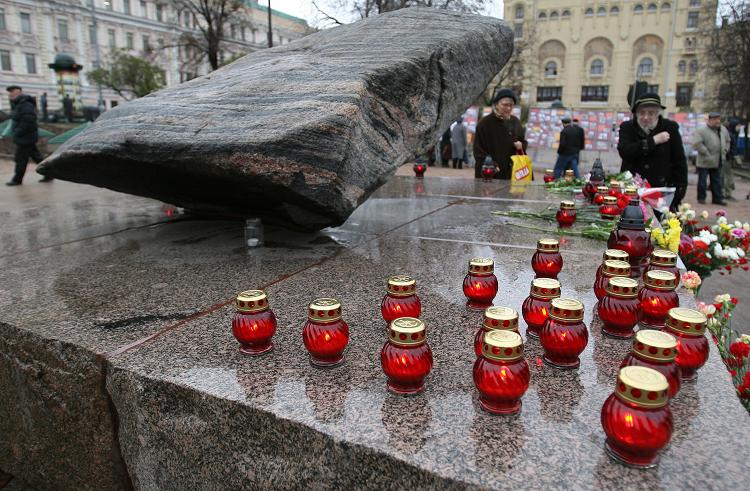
[
  {"x": 518, "y": 30},
  {"x": 601, "y": 12},
  {"x": 233, "y": 31},
  {"x": 144, "y": 9},
  {"x": 695, "y": 3},
  {"x": 681, "y": 66},
  {"x": 90, "y": 4},
  {"x": 554, "y": 15},
  {"x": 638, "y": 9},
  {"x": 243, "y": 33},
  {"x": 30, "y": 63},
  {"x": 692, "y": 22},
  {"x": 129, "y": 40},
  {"x": 651, "y": 8},
  {"x": 519, "y": 11},
  {"x": 589, "y": 12},
  {"x": 92, "y": 35},
  {"x": 160, "y": 43},
  {"x": 665, "y": 7},
  {"x": 542, "y": 16},
  {"x": 186, "y": 18},
  {"x": 548, "y": 94},
  {"x": 126, "y": 6},
  {"x": 2, "y": 20},
  {"x": 146, "y": 43},
  {"x": 566, "y": 14},
  {"x": 550, "y": 69},
  {"x": 111, "y": 38},
  {"x": 112, "y": 104},
  {"x": 5, "y": 60},
  {"x": 646, "y": 66},
  {"x": 599, "y": 93},
  {"x": 693, "y": 67},
  {"x": 684, "y": 94},
  {"x": 62, "y": 30},
  {"x": 25, "y": 23},
  {"x": 108, "y": 4},
  {"x": 597, "y": 67},
  {"x": 159, "y": 12},
  {"x": 614, "y": 11}
]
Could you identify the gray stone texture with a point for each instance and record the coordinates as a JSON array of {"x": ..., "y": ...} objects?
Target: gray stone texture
[{"x": 301, "y": 133}]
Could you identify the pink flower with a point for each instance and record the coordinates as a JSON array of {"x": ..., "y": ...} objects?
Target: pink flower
[
  {"x": 739, "y": 233},
  {"x": 721, "y": 213},
  {"x": 691, "y": 280}
]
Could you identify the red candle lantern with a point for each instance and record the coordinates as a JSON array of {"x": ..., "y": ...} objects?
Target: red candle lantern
[
  {"x": 501, "y": 373},
  {"x": 419, "y": 169},
  {"x": 657, "y": 296},
  {"x": 610, "y": 269},
  {"x": 536, "y": 307},
  {"x": 631, "y": 236},
  {"x": 663, "y": 260},
  {"x": 611, "y": 255},
  {"x": 406, "y": 357},
  {"x": 656, "y": 350},
  {"x": 480, "y": 283},
  {"x": 596, "y": 178},
  {"x": 564, "y": 335},
  {"x": 549, "y": 175},
  {"x": 401, "y": 300},
  {"x": 488, "y": 171},
  {"x": 601, "y": 192},
  {"x": 569, "y": 175},
  {"x": 618, "y": 309},
  {"x": 689, "y": 327},
  {"x": 609, "y": 209},
  {"x": 631, "y": 193},
  {"x": 254, "y": 324},
  {"x": 495, "y": 318},
  {"x": 636, "y": 418},
  {"x": 325, "y": 334},
  {"x": 615, "y": 189},
  {"x": 566, "y": 215},
  {"x": 547, "y": 262}
]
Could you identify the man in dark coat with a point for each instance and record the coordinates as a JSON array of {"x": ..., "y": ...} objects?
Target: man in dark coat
[
  {"x": 499, "y": 135},
  {"x": 25, "y": 133},
  {"x": 571, "y": 144},
  {"x": 651, "y": 146}
]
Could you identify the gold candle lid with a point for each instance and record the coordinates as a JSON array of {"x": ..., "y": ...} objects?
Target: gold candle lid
[
  {"x": 663, "y": 257},
  {"x": 545, "y": 288},
  {"x": 324, "y": 310},
  {"x": 615, "y": 184},
  {"x": 566, "y": 309},
  {"x": 548, "y": 245},
  {"x": 687, "y": 321},
  {"x": 502, "y": 345},
  {"x": 610, "y": 200},
  {"x": 251, "y": 301},
  {"x": 616, "y": 255},
  {"x": 642, "y": 386},
  {"x": 622, "y": 287},
  {"x": 481, "y": 265},
  {"x": 402, "y": 285},
  {"x": 632, "y": 192},
  {"x": 602, "y": 189},
  {"x": 567, "y": 205},
  {"x": 498, "y": 317},
  {"x": 407, "y": 331},
  {"x": 549, "y": 172},
  {"x": 655, "y": 345},
  {"x": 661, "y": 280},
  {"x": 614, "y": 267}
]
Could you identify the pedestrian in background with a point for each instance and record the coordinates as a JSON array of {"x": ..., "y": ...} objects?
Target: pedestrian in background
[
  {"x": 458, "y": 143},
  {"x": 68, "y": 108},
  {"x": 25, "y": 133},
  {"x": 712, "y": 143},
  {"x": 499, "y": 135},
  {"x": 43, "y": 103},
  {"x": 569, "y": 149},
  {"x": 651, "y": 145},
  {"x": 445, "y": 147},
  {"x": 734, "y": 159}
]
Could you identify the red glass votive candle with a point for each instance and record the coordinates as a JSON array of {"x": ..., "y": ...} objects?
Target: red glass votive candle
[
  {"x": 419, "y": 170},
  {"x": 688, "y": 326},
  {"x": 495, "y": 318},
  {"x": 631, "y": 236},
  {"x": 564, "y": 335},
  {"x": 610, "y": 269},
  {"x": 501, "y": 374},
  {"x": 325, "y": 334},
  {"x": 406, "y": 357},
  {"x": 636, "y": 418},
  {"x": 663, "y": 260},
  {"x": 656, "y": 350},
  {"x": 601, "y": 192},
  {"x": 566, "y": 215},
  {"x": 615, "y": 189},
  {"x": 480, "y": 283},
  {"x": 589, "y": 190},
  {"x": 569, "y": 175},
  {"x": 254, "y": 324},
  {"x": 401, "y": 300},
  {"x": 535, "y": 309},
  {"x": 611, "y": 255},
  {"x": 547, "y": 262},
  {"x": 618, "y": 309},
  {"x": 549, "y": 175},
  {"x": 657, "y": 296},
  {"x": 631, "y": 193},
  {"x": 609, "y": 210},
  {"x": 488, "y": 172}
]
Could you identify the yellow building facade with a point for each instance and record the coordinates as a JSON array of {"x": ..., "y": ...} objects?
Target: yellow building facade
[{"x": 587, "y": 54}]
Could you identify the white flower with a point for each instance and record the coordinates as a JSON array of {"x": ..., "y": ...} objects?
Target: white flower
[
  {"x": 740, "y": 252},
  {"x": 708, "y": 255},
  {"x": 709, "y": 310},
  {"x": 706, "y": 237},
  {"x": 746, "y": 227},
  {"x": 704, "y": 215},
  {"x": 690, "y": 214},
  {"x": 722, "y": 298},
  {"x": 737, "y": 224},
  {"x": 627, "y": 176},
  {"x": 732, "y": 253},
  {"x": 745, "y": 338},
  {"x": 722, "y": 220}
]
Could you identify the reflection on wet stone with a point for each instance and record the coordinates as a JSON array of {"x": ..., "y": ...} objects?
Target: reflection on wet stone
[
  {"x": 607, "y": 472},
  {"x": 327, "y": 389},
  {"x": 608, "y": 353},
  {"x": 498, "y": 439},
  {"x": 559, "y": 393},
  {"x": 407, "y": 419},
  {"x": 685, "y": 406},
  {"x": 259, "y": 384}
]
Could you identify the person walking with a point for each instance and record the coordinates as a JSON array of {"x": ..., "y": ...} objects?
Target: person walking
[
  {"x": 734, "y": 159},
  {"x": 445, "y": 147},
  {"x": 25, "y": 133},
  {"x": 651, "y": 145},
  {"x": 43, "y": 104},
  {"x": 571, "y": 143},
  {"x": 499, "y": 135},
  {"x": 458, "y": 143},
  {"x": 712, "y": 143},
  {"x": 68, "y": 108}
]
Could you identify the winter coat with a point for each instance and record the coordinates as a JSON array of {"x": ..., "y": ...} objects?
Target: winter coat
[
  {"x": 734, "y": 136},
  {"x": 712, "y": 151},
  {"x": 458, "y": 141},
  {"x": 495, "y": 137},
  {"x": 571, "y": 140},
  {"x": 25, "y": 128},
  {"x": 662, "y": 165}
]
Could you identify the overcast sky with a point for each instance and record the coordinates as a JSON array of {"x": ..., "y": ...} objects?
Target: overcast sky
[{"x": 305, "y": 10}]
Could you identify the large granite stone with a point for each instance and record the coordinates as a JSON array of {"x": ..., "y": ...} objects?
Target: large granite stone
[{"x": 301, "y": 133}]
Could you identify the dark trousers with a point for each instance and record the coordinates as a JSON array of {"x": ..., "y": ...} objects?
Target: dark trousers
[
  {"x": 565, "y": 162},
  {"x": 715, "y": 175},
  {"x": 458, "y": 163},
  {"x": 22, "y": 155}
]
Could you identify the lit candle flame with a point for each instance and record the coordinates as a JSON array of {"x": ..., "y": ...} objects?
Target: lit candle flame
[
  {"x": 327, "y": 337},
  {"x": 629, "y": 420}
]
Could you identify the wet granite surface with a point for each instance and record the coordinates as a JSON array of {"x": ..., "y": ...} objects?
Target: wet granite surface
[{"x": 120, "y": 344}]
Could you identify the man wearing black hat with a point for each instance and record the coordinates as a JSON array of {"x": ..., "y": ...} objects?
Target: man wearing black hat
[
  {"x": 25, "y": 133},
  {"x": 571, "y": 144},
  {"x": 499, "y": 135},
  {"x": 712, "y": 143},
  {"x": 651, "y": 146}
]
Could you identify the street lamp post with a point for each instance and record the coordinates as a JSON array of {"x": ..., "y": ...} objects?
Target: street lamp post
[
  {"x": 97, "y": 56},
  {"x": 270, "y": 32}
]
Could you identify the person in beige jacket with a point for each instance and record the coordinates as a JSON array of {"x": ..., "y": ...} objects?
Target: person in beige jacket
[{"x": 712, "y": 143}]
